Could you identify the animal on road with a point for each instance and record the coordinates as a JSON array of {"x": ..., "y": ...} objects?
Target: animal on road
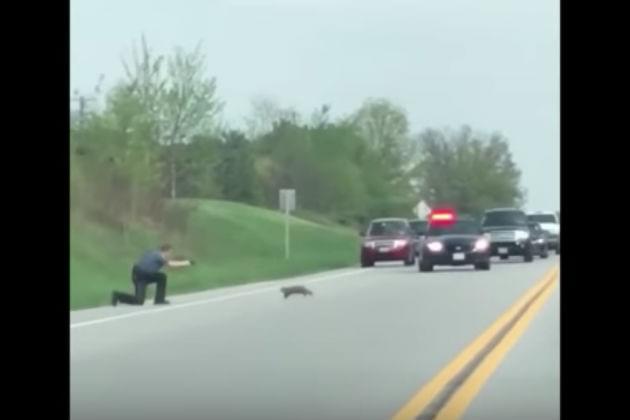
[{"x": 295, "y": 290}]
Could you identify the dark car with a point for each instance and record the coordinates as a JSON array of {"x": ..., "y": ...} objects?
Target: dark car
[
  {"x": 509, "y": 233},
  {"x": 540, "y": 239},
  {"x": 460, "y": 242},
  {"x": 388, "y": 240},
  {"x": 419, "y": 228}
]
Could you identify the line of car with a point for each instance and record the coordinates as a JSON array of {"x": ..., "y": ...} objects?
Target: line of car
[{"x": 449, "y": 239}]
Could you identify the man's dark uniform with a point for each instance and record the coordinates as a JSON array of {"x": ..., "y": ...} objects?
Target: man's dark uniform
[{"x": 144, "y": 272}]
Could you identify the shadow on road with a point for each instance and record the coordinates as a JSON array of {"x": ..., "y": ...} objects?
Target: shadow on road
[
  {"x": 402, "y": 269},
  {"x": 446, "y": 269},
  {"x": 510, "y": 261},
  {"x": 383, "y": 266},
  {"x": 516, "y": 261},
  {"x": 406, "y": 270}
]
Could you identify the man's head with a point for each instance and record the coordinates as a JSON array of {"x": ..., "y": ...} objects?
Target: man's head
[{"x": 166, "y": 250}]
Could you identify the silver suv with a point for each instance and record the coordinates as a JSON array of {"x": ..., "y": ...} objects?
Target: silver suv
[
  {"x": 509, "y": 233},
  {"x": 550, "y": 223}
]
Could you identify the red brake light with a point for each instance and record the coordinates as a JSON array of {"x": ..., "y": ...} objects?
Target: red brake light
[{"x": 442, "y": 216}]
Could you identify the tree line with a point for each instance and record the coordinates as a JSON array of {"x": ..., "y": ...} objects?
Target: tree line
[{"x": 159, "y": 137}]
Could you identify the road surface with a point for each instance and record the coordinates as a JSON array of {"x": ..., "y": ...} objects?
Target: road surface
[{"x": 365, "y": 346}]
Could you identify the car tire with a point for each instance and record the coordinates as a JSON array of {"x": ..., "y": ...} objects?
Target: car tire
[
  {"x": 367, "y": 263},
  {"x": 529, "y": 256},
  {"x": 483, "y": 266},
  {"x": 425, "y": 267},
  {"x": 545, "y": 253},
  {"x": 504, "y": 257}
]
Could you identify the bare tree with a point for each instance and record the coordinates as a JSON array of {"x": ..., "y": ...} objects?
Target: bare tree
[
  {"x": 265, "y": 114},
  {"x": 178, "y": 98}
]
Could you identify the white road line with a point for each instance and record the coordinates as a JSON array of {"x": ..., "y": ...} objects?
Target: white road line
[{"x": 211, "y": 300}]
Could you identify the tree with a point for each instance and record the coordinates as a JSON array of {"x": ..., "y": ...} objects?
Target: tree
[
  {"x": 180, "y": 100},
  {"x": 387, "y": 159},
  {"x": 470, "y": 171},
  {"x": 116, "y": 165},
  {"x": 133, "y": 150},
  {"x": 197, "y": 174},
  {"x": 266, "y": 113},
  {"x": 337, "y": 151},
  {"x": 285, "y": 160},
  {"x": 385, "y": 128},
  {"x": 320, "y": 117},
  {"x": 235, "y": 170},
  {"x": 147, "y": 138}
]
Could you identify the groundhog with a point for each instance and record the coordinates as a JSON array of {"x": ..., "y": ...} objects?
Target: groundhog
[{"x": 301, "y": 290}]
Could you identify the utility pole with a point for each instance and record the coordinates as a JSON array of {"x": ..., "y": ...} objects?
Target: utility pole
[
  {"x": 83, "y": 101},
  {"x": 175, "y": 148},
  {"x": 173, "y": 178}
]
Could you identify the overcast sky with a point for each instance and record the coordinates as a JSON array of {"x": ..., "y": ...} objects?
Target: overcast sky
[{"x": 492, "y": 64}]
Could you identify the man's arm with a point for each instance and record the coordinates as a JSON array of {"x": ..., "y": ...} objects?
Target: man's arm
[{"x": 179, "y": 263}]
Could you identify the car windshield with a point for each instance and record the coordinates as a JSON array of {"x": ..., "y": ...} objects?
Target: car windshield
[
  {"x": 505, "y": 218},
  {"x": 387, "y": 227},
  {"x": 542, "y": 218},
  {"x": 419, "y": 226},
  {"x": 462, "y": 227}
]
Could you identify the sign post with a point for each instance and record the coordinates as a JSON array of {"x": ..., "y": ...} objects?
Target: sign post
[
  {"x": 287, "y": 204},
  {"x": 422, "y": 210}
]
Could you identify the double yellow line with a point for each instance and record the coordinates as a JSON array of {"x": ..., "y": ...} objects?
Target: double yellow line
[{"x": 448, "y": 394}]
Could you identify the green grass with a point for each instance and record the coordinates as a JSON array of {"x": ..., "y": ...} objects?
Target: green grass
[{"x": 231, "y": 243}]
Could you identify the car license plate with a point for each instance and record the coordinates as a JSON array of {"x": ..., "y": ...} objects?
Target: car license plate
[
  {"x": 385, "y": 249},
  {"x": 503, "y": 251},
  {"x": 459, "y": 256}
]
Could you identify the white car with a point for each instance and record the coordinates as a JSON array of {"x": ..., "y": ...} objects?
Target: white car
[{"x": 548, "y": 221}]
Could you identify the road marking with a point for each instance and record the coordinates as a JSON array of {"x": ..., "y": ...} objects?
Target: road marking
[
  {"x": 205, "y": 301},
  {"x": 422, "y": 400},
  {"x": 462, "y": 398}
]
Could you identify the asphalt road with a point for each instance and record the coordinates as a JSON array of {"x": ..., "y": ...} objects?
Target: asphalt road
[
  {"x": 360, "y": 348},
  {"x": 527, "y": 385}
]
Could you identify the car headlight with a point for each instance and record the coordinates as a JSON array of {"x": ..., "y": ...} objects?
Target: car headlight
[
  {"x": 399, "y": 243},
  {"x": 521, "y": 235},
  {"x": 435, "y": 246},
  {"x": 369, "y": 244},
  {"x": 481, "y": 244}
]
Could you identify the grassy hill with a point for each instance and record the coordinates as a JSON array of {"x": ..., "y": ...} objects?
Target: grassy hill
[{"x": 231, "y": 243}]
